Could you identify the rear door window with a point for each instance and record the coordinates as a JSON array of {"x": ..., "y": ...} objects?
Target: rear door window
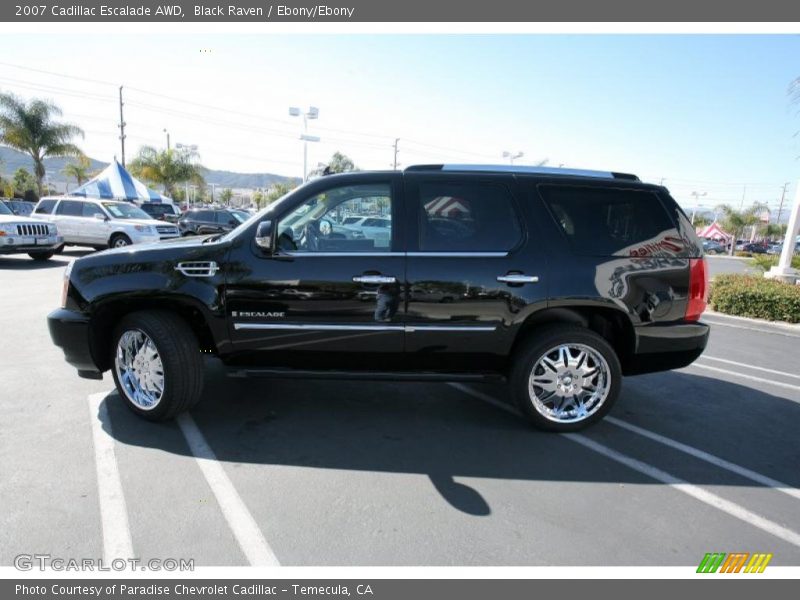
[
  {"x": 608, "y": 221},
  {"x": 467, "y": 217},
  {"x": 70, "y": 208}
]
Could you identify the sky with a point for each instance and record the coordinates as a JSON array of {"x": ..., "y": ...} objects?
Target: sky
[{"x": 709, "y": 114}]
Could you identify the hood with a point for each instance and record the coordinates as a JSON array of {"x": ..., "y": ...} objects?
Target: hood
[
  {"x": 17, "y": 219},
  {"x": 195, "y": 241}
]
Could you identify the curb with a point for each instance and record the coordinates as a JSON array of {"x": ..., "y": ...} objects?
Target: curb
[{"x": 774, "y": 324}]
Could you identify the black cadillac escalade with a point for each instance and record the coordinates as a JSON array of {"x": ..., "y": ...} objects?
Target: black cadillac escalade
[{"x": 559, "y": 281}]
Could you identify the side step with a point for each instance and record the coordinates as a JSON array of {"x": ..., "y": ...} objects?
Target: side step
[{"x": 364, "y": 375}]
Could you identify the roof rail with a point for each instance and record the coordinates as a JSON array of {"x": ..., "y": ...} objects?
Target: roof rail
[{"x": 526, "y": 170}]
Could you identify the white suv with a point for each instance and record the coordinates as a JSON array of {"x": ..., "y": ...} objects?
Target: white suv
[
  {"x": 20, "y": 235},
  {"x": 102, "y": 223}
]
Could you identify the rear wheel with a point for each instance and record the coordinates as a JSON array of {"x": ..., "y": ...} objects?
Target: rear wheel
[
  {"x": 41, "y": 256},
  {"x": 119, "y": 240},
  {"x": 565, "y": 378},
  {"x": 156, "y": 364}
]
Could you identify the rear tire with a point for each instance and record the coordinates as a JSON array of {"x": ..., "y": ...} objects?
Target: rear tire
[
  {"x": 41, "y": 256},
  {"x": 156, "y": 364},
  {"x": 565, "y": 378}
]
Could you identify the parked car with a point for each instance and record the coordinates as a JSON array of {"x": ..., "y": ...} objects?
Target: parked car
[
  {"x": 544, "y": 278},
  {"x": 378, "y": 229},
  {"x": 161, "y": 211},
  {"x": 755, "y": 248},
  {"x": 19, "y": 207},
  {"x": 714, "y": 247},
  {"x": 202, "y": 221},
  {"x": 102, "y": 223},
  {"x": 22, "y": 235},
  {"x": 774, "y": 248}
]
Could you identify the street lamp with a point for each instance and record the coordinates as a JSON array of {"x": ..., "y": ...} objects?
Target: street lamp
[
  {"x": 512, "y": 156},
  {"x": 697, "y": 196},
  {"x": 311, "y": 114}
]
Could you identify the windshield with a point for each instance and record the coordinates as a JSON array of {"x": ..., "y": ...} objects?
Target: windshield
[
  {"x": 123, "y": 210},
  {"x": 256, "y": 217},
  {"x": 240, "y": 215},
  {"x": 4, "y": 210}
]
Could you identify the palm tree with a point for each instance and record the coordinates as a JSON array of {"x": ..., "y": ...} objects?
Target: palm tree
[
  {"x": 31, "y": 128},
  {"x": 736, "y": 221},
  {"x": 78, "y": 170},
  {"x": 167, "y": 167}
]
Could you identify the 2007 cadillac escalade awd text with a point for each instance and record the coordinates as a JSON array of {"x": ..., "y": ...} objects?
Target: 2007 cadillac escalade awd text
[{"x": 559, "y": 281}]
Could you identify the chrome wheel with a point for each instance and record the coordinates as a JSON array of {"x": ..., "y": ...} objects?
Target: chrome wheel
[
  {"x": 569, "y": 383},
  {"x": 120, "y": 242},
  {"x": 140, "y": 371}
]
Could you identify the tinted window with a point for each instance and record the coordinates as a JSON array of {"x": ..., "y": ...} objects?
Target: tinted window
[
  {"x": 467, "y": 217},
  {"x": 605, "y": 221},
  {"x": 70, "y": 208},
  {"x": 203, "y": 215},
  {"x": 45, "y": 207},
  {"x": 89, "y": 210}
]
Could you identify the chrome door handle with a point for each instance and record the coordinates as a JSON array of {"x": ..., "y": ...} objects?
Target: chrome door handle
[
  {"x": 374, "y": 279},
  {"x": 518, "y": 278}
]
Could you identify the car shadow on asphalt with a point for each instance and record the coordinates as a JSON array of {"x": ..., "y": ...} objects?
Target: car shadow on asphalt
[
  {"x": 444, "y": 433},
  {"x": 22, "y": 262}
]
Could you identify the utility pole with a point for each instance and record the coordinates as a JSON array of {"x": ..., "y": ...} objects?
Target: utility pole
[
  {"x": 780, "y": 208},
  {"x": 121, "y": 126},
  {"x": 744, "y": 193},
  {"x": 396, "y": 141}
]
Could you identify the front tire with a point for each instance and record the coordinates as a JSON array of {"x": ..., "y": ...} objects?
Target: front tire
[
  {"x": 156, "y": 364},
  {"x": 119, "y": 240},
  {"x": 565, "y": 378}
]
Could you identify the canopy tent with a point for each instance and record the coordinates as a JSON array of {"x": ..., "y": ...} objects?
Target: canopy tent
[
  {"x": 714, "y": 232},
  {"x": 115, "y": 183}
]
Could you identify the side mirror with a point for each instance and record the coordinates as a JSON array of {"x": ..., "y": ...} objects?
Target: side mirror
[
  {"x": 100, "y": 216},
  {"x": 264, "y": 235}
]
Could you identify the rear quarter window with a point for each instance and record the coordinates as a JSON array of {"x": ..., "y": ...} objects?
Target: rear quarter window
[
  {"x": 611, "y": 221},
  {"x": 45, "y": 207}
]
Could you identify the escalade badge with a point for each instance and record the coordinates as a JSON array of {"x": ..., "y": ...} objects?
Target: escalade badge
[{"x": 258, "y": 314}]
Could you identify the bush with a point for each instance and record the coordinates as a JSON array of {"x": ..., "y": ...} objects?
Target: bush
[
  {"x": 748, "y": 296},
  {"x": 765, "y": 262}
]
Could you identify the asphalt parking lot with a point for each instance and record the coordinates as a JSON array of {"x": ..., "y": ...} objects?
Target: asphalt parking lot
[{"x": 337, "y": 473}]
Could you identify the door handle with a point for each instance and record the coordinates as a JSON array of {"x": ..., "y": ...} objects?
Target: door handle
[
  {"x": 518, "y": 278},
  {"x": 375, "y": 279}
]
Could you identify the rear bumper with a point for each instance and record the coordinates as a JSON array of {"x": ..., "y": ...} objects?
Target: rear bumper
[
  {"x": 69, "y": 331},
  {"x": 665, "y": 347}
]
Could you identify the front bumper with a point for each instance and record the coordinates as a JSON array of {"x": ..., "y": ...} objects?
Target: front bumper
[
  {"x": 69, "y": 331},
  {"x": 13, "y": 244},
  {"x": 665, "y": 347}
]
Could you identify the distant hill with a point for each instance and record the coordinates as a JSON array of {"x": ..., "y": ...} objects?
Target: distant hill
[{"x": 11, "y": 160}]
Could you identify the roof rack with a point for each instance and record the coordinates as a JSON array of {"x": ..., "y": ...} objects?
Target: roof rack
[{"x": 526, "y": 170}]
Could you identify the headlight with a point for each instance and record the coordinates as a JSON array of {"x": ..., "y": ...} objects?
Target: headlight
[
  {"x": 143, "y": 228},
  {"x": 8, "y": 229}
]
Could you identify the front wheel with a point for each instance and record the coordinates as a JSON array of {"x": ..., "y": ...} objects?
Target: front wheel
[
  {"x": 119, "y": 240},
  {"x": 156, "y": 364},
  {"x": 565, "y": 378}
]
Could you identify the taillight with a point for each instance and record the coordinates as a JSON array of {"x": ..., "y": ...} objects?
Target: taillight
[
  {"x": 698, "y": 289},
  {"x": 65, "y": 285}
]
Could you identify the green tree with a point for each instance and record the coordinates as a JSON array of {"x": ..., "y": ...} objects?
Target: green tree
[
  {"x": 258, "y": 198},
  {"x": 278, "y": 190},
  {"x": 23, "y": 182},
  {"x": 339, "y": 163},
  {"x": 225, "y": 196},
  {"x": 78, "y": 170},
  {"x": 736, "y": 222},
  {"x": 166, "y": 167},
  {"x": 31, "y": 128}
]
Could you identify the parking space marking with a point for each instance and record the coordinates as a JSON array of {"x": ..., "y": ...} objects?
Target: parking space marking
[
  {"x": 672, "y": 481},
  {"x": 738, "y": 364},
  {"x": 749, "y": 328},
  {"x": 244, "y": 527},
  {"x": 705, "y": 456},
  {"x": 788, "y": 386},
  {"x": 113, "y": 511},
  {"x": 698, "y": 493}
]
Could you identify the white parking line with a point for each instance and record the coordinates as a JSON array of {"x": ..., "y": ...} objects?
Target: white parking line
[
  {"x": 705, "y": 456},
  {"x": 759, "y": 329},
  {"x": 674, "y": 482},
  {"x": 242, "y": 524},
  {"x": 747, "y": 366},
  {"x": 113, "y": 511},
  {"x": 780, "y": 384},
  {"x": 694, "y": 491}
]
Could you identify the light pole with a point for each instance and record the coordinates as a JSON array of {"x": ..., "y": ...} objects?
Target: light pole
[
  {"x": 167, "y": 132},
  {"x": 512, "y": 156},
  {"x": 311, "y": 114},
  {"x": 697, "y": 196}
]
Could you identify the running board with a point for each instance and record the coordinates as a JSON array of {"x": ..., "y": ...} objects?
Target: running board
[{"x": 365, "y": 375}]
